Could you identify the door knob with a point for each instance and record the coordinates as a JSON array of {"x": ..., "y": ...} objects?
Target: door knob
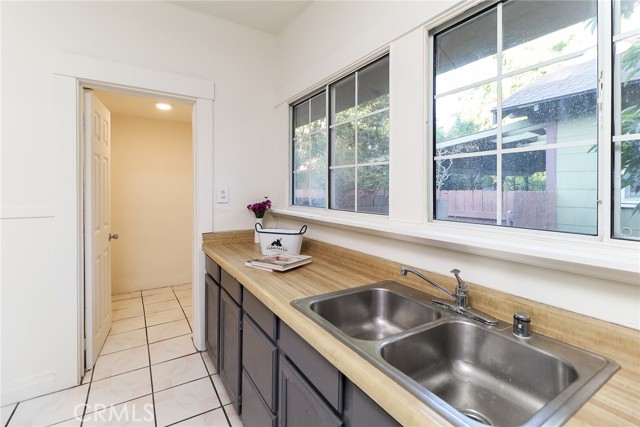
[{"x": 113, "y": 236}]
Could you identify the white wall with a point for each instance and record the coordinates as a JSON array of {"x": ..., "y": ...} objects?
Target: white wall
[
  {"x": 327, "y": 39},
  {"x": 38, "y": 318},
  {"x": 151, "y": 203}
]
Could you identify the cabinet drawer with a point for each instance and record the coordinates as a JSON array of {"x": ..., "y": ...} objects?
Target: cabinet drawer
[
  {"x": 213, "y": 269},
  {"x": 260, "y": 360},
  {"x": 322, "y": 374},
  {"x": 254, "y": 411},
  {"x": 231, "y": 285},
  {"x": 260, "y": 314}
]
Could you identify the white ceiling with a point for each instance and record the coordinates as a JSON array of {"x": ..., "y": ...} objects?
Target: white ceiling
[
  {"x": 264, "y": 15},
  {"x": 144, "y": 106}
]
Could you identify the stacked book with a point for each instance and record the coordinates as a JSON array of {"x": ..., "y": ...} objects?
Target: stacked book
[{"x": 278, "y": 262}]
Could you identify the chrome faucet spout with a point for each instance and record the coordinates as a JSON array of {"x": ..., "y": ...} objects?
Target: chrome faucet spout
[
  {"x": 405, "y": 270},
  {"x": 460, "y": 305}
]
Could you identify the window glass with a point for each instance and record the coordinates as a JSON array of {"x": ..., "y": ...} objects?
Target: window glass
[
  {"x": 524, "y": 155},
  {"x": 344, "y": 152},
  {"x": 626, "y": 127}
]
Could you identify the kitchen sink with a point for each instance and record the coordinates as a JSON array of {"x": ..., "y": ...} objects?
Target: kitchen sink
[
  {"x": 470, "y": 373},
  {"x": 372, "y": 313}
]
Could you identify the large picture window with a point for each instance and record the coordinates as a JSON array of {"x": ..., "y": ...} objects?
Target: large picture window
[
  {"x": 516, "y": 117},
  {"x": 341, "y": 159}
]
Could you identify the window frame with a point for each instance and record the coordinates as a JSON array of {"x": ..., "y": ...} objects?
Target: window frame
[{"x": 326, "y": 89}]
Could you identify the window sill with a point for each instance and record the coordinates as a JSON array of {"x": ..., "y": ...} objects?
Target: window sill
[{"x": 614, "y": 260}]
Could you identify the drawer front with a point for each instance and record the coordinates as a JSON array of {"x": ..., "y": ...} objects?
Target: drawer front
[
  {"x": 260, "y": 361},
  {"x": 322, "y": 374},
  {"x": 260, "y": 314},
  {"x": 231, "y": 285},
  {"x": 254, "y": 411},
  {"x": 213, "y": 269}
]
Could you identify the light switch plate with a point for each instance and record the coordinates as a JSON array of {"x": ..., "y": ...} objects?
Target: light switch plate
[{"x": 222, "y": 194}]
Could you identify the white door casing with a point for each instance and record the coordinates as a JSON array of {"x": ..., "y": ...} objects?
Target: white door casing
[{"x": 97, "y": 133}]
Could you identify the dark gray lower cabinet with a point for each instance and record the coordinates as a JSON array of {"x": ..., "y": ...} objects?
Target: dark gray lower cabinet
[
  {"x": 255, "y": 412},
  {"x": 213, "y": 320},
  {"x": 231, "y": 348},
  {"x": 361, "y": 411},
  {"x": 300, "y": 404}
]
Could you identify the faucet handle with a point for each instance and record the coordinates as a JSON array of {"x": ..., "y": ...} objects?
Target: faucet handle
[{"x": 461, "y": 283}]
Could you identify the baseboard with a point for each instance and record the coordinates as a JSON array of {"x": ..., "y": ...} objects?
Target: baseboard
[{"x": 27, "y": 388}]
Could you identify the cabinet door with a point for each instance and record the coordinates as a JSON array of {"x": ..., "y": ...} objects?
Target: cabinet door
[
  {"x": 299, "y": 403},
  {"x": 213, "y": 320},
  {"x": 361, "y": 411},
  {"x": 230, "y": 347},
  {"x": 260, "y": 361},
  {"x": 255, "y": 412}
]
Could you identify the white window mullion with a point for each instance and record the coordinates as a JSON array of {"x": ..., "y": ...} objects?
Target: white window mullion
[
  {"x": 499, "y": 119},
  {"x": 355, "y": 147},
  {"x": 608, "y": 82}
]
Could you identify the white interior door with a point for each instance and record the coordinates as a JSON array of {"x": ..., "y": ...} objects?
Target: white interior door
[{"x": 97, "y": 131}]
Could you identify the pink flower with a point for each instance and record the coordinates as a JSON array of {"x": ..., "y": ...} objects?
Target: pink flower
[{"x": 260, "y": 208}]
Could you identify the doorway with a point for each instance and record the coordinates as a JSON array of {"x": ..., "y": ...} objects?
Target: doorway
[{"x": 149, "y": 196}]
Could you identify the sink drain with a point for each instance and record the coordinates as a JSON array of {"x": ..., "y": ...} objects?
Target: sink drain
[{"x": 476, "y": 416}]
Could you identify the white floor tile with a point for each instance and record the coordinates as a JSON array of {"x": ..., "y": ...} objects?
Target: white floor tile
[
  {"x": 168, "y": 330},
  {"x": 182, "y": 287},
  {"x": 186, "y": 301},
  {"x": 185, "y": 401},
  {"x": 224, "y": 397},
  {"x": 215, "y": 418},
  {"x": 185, "y": 293},
  {"x": 120, "y": 362},
  {"x": 127, "y": 303},
  {"x": 161, "y": 306},
  {"x": 126, "y": 313},
  {"x": 50, "y": 409},
  {"x": 74, "y": 422},
  {"x": 165, "y": 296},
  {"x": 126, "y": 325},
  {"x": 120, "y": 297},
  {"x": 208, "y": 363},
  {"x": 171, "y": 349},
  {"x": 87, "y": 378},
  {"x": 177, "y": 371},
  {"x": 188, "y": 311},
  {"x": 124, "y": 341},
  {"x": 5, "y": 413},
  {"x": 234, "y": 418},
  {"x": 154, "y": 291},
  {"x": 135, "y": 413},
  {"x": 119, "y": 389},
  {"x": 164, "y": 317}
]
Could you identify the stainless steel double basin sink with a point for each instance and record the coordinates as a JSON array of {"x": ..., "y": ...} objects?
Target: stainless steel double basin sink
[{"x": 470, "y": 373}]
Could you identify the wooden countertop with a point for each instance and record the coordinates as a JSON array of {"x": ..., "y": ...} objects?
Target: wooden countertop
[{"x": 335, "y": 268}]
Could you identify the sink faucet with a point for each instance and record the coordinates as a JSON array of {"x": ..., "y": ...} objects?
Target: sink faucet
[{"x": 460, "y": 305}]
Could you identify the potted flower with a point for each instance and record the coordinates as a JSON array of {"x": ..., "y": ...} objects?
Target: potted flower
[{"x": 259, "y": 209}]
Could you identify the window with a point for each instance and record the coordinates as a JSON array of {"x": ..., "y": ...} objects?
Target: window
[
  {"x": 516, "y": 120},
  {"x": 344, "y": 164},
  {"x": 626, "y": 123}
]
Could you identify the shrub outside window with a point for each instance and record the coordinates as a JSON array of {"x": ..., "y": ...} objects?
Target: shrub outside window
[{"x": 344, "y": 164}]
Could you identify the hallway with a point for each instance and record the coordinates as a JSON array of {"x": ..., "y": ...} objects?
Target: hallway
[{"x": 148, "y": 373}]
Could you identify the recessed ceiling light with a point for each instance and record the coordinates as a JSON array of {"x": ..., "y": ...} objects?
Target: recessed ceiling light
[{"x": 163, "y": 106}]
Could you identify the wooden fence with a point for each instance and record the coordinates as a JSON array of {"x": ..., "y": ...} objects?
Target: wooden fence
[{"x": 527, "y": 209}]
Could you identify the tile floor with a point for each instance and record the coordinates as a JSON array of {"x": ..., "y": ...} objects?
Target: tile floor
[{"x": 148, "y": 374}]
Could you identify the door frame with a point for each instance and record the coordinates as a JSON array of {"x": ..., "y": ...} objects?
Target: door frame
[{"x": 70, "y": 74}]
